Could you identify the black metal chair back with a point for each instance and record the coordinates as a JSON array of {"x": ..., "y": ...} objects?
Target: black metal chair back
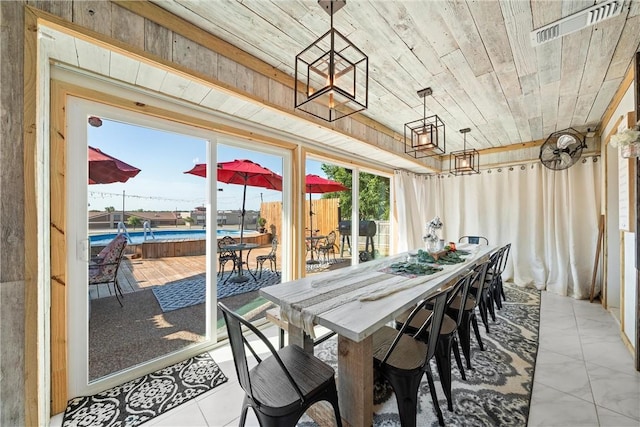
[
  {"x": 277, "y": 396},
  {"x": 474, "y": 240},
  {"x": 404, "y": 370}
]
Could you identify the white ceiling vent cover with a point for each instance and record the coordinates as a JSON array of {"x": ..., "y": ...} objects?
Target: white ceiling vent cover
[{"x": 577, "y": 21}]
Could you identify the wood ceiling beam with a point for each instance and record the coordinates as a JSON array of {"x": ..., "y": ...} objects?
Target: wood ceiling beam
[{"x": 512, "y": 147}]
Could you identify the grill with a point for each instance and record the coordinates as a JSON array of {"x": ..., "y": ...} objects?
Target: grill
[{"x": 366, "y": 229}]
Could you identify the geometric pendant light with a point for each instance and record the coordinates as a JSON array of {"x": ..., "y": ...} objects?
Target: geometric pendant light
[
  {"x": 424, "y": 137},
  {"x": 465, "y": 162},
  {"x": 332, "y": 74}
]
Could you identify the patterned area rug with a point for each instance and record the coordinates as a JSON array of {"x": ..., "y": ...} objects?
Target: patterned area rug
[
  {"x": 188, "y": 292},
  {"x": 144, "y": 398},
  {"x": 497, "y": 390}
]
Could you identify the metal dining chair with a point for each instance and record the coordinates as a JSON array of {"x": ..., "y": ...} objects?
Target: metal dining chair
[
  {"x": 226, "y": 255},
  {"x": 467, "y": 309},
  {"x": 283, "y": 385},
  {"x": 447, "y": 341},
  {"x": 271, "y": 257},
  {"x": 403, "y": 358},
  {"x": 328, "y": 246},
  {"x": 474, "y": 240}
]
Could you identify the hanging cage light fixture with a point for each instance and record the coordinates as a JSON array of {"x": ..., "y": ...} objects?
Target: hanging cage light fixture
[
  {"x": 332, "y": 74},
  {"x": 465, "y": 162},
  {"x": 424, "y": 137}
]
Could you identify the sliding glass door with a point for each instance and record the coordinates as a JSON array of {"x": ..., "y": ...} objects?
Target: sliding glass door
[{"x": 141, "y": 276}]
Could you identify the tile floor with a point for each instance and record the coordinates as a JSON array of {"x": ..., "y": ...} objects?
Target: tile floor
[{"x": 584, "y": 375}]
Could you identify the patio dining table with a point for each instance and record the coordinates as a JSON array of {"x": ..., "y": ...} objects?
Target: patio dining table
[
  {"x": 240, "y": 247},
  {"x": 354, "y": 302}
]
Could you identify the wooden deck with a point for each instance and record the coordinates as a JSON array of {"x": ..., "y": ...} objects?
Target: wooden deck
[
  {"x": 136, "y": 274},
  {"x": 139, "y": 274}
]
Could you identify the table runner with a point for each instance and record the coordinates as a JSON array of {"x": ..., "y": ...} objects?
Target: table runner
[{"x": 366, "y": 283}]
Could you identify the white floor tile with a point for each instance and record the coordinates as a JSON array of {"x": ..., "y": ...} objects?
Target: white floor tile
[
  {"x": 563, "y": 342},
  {"x": 187, "y": 415},
  {"x": 609, "y": 418},
  {"x": 56, "y": 420},
  {"x": 223, "y": 406},
  {"x": 564, "y": 374},
  {"x": 550, "y": 407},
  {"x": 616, "y": 391},
  {"x": 608, "y": 352}
]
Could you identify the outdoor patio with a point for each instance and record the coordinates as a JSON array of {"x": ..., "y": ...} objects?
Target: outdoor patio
[{"x": 144, "y": 324}]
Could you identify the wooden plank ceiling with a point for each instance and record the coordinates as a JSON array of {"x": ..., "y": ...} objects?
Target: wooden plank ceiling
[{"x": 475, "y": 55}]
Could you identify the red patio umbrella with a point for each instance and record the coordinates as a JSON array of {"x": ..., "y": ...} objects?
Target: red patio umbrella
[
  {"x": 105, "y": 169},
  {"x": 315, "y": 184},
  {"x": 242, "y": 172}
]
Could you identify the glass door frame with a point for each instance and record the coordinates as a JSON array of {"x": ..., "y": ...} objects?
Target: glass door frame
[
  {"x": 356, "y": 168},
  {"x": 78, "y": 246}
]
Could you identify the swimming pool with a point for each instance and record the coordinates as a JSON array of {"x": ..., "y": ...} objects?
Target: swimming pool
[{"x": 137, "y": 237}]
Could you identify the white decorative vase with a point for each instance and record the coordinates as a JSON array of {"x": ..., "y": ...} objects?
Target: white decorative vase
[{"x": 631, "y": 150}]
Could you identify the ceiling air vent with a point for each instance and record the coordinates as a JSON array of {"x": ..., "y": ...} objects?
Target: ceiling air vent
[{"x": 577, "y": 21}]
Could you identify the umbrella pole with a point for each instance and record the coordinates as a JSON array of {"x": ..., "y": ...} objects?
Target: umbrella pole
[
  {"x": 311, "y": 246},
  {"x": 244, "y": 197}
]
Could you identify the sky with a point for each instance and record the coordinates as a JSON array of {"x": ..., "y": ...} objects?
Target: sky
[{"x": 162, "y": 158}]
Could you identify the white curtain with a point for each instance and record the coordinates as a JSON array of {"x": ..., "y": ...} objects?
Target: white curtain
[{"x": 549, "y": 217}]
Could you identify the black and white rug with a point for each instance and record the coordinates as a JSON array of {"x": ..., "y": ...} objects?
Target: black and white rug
[
  {"x": 497, "y": 391},
  {"x": 188, "y": 292},
  {"x": 144, "y": 398}
]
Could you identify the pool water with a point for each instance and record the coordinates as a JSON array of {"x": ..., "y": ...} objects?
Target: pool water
[{"x": 137, "y": 237}]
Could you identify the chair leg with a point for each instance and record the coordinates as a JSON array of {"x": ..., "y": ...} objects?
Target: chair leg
[
  {"x": 434, "y": 398},
  {"x": 482, "y": 307},
  {"x": 456, "y": 353},
  {"x": 259, "y": 263},
  {"x": 405, "y": 388},
  {"x": 443, "y": 362},
  {"x": 243, "y": 414},
  {"x": 116, "y": 290},
  {"x": 490, "y": 307},
  {"x": 474, "y": 322},
  {"x": 464, "y": 334},
  {"x": 502, "y": 289}
]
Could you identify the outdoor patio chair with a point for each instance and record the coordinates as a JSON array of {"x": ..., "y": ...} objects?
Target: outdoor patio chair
[
  {"x": 271, "y": 256},
  {"x": 283, "y": 385},
  {"x": 474, "y": 240},
  {"x": 226, "y": 255},
  {"x": 328, "y": 246},
  {"x": 104, "y": 267},
  {"x": 403, "y": 358}
]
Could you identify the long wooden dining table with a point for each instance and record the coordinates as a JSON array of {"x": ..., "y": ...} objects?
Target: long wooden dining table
[{"x": 355, "y": 302}]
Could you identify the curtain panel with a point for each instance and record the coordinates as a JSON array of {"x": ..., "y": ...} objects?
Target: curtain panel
[{"x": 549, "y": 217}]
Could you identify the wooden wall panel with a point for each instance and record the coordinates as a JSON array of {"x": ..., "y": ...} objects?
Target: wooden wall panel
[
  {"x": 158, "y": 40},
  {"x": 127, "y": 27}
]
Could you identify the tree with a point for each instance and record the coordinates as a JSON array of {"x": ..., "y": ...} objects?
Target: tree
[
  {"x": 134, "y": 221},
  {"x": 374, "y": 193},
  {"x": 110, "y": 209}
]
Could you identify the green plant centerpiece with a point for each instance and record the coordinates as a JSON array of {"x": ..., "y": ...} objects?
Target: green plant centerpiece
[{"x": 261, "y": 222}]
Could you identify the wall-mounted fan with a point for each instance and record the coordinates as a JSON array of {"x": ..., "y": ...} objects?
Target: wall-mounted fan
[{"x": 562, "y": 149}]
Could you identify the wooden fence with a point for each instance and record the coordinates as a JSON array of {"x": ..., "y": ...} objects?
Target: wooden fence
[{"x": 325, "y": 216}]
